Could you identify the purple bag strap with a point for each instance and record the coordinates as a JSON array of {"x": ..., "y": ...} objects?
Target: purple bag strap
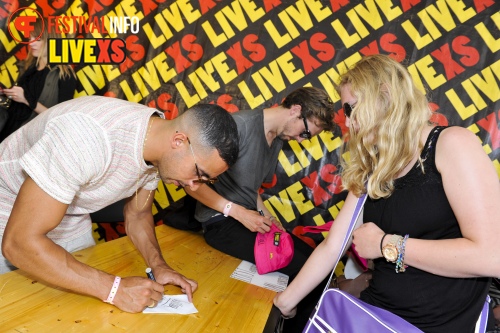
[
  {"x": 482, "y": 321},
  {"x": 352, "y": 224}
]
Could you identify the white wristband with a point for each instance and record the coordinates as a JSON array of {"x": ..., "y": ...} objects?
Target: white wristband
[
  {"x": 227, "y": 208},
  {"x": 113, "y": 291}
]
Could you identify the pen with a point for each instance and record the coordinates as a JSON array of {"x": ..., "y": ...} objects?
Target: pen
[
  {"x": 261, "y": 212},
  {"x": 149, "y": 273}
]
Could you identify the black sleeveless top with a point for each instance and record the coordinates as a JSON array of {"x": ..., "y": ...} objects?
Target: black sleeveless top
[{"x": 419, "y": 207}]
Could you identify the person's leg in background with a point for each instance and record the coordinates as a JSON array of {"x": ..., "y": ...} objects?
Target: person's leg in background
[{"x": 495, "y": 303}]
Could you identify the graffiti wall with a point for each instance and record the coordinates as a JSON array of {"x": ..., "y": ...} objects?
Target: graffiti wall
[{"x": 245, "y": 54}]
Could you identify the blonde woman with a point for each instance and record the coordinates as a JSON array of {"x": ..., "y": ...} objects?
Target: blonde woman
[
  {"x": 40, "y": 86},
  {"x": 432, "y": 213}
]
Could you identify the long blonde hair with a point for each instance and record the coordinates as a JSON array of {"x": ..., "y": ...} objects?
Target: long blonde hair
[
  {"x": 40, "y": 29},
  {"x": 386, "y": 123}
]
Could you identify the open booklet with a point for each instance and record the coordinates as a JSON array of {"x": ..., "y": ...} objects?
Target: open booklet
[{"x": 176, "y": 304}]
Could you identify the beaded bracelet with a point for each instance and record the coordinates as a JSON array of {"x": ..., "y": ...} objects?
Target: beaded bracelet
[
  {"x": 113, "y": 290},
  {"x": 400, "y": 265}
]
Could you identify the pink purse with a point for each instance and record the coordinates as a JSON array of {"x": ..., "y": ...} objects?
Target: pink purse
[{"x": 273, "y": 250}]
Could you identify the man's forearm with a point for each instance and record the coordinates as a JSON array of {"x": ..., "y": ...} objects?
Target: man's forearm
[
  {"x": 49, "y": 262},
  {"x": 208, "y": 197},
  {"x": 141, "y": 231}
]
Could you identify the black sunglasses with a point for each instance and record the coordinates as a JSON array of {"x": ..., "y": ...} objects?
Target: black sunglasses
[
  {"x": 200, "y": 180},
  {"x": 347, "y": 109},
  {"x": 307, "y": 133}
]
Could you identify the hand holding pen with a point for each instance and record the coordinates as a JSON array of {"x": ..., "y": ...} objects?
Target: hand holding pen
[
  {"x": 272, "y": 219},
  {"x": 149, "y": 273},
  {"x": 134, "y": 293}
]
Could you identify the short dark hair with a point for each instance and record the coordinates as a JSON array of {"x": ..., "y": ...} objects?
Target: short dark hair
[
  {"x": 315, "y": 103},
  {"x": 216, "y": 129}
]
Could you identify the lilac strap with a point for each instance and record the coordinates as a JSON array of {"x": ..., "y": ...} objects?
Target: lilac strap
[
  {"x": 352, "y": 224},
  {"x": 482, "y": 321}
]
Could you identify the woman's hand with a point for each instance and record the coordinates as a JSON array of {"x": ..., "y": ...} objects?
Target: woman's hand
[
  {"x": 367, "y": 239},
  {"x": 286, "y": 313},
  {"x": 16, "y": 94}
]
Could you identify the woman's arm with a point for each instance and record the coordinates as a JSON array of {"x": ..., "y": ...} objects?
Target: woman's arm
[
  {"x": 40, "y": 108},
  {"x": 320, "y": 263},
  {"x": 473, "y": 190}
]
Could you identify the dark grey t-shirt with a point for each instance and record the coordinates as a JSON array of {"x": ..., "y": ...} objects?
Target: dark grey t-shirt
[{"x": 256, "y": 164}]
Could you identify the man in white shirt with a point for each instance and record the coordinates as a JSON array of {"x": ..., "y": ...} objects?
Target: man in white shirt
[{"x": 85, "y": 154}]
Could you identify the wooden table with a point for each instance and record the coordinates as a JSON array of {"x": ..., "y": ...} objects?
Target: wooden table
[{"x": 224, "y": 304}]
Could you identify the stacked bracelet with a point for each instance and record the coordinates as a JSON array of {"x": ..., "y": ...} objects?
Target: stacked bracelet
[
  {"x": 113, "y": 291},
  {"x": 400, "y": 265}
]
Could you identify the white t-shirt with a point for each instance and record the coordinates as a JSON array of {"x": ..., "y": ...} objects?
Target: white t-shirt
[{"x": 86, "y": 152}]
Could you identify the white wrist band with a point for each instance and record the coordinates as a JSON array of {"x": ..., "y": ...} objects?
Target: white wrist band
[
  {"x": 227, "y": 208},
  {"x": 113, "y": 291}
]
